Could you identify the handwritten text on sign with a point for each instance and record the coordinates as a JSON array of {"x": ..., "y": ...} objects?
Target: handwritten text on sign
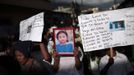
[
  {"x": 32, "y": 28},
  {"x": 107, "y": 29}
]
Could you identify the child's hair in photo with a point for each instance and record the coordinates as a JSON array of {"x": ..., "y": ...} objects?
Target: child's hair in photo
[{"x": 62, "y": 32}]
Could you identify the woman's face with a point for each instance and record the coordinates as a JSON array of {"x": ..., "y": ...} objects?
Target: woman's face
[
  {"x": 62, "y": 38},
  {"x": 20, "y": 57}
]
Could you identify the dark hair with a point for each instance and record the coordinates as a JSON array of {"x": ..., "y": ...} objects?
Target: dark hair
[
  {"x": 24, "y": 46},
  {"x": 61, "y": 32}
]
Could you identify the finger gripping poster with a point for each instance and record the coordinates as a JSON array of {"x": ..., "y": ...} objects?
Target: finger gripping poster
[{"x": 107, "y": 29}]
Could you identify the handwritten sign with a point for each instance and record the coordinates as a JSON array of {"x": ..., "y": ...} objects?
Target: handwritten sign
[
  {"x": 107, "y": 29},
  {"x": 32, "y": 28}
]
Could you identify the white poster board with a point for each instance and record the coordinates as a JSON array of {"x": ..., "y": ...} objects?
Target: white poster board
[
  {"x": 32, "y": 28},
  {"x": 107, "y": 29}
]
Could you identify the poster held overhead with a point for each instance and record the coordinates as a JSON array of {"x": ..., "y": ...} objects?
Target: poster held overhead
[
  {"x": 107, "y": 29},
  {"x": 32, "y": 28}
]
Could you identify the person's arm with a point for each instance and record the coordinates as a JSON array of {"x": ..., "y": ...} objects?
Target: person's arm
[
  {"x": 44, "y": 52},
  {"x": 56, "y": 61},
  {"x": 105, "y": 69},
  {"x": 77, "y": 60}
]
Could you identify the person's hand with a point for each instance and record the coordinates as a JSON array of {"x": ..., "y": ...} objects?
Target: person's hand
[
  {"x": 56, "y": 61},
  {"x": 55, "y": 55},
  {"x": 77, "y": 60},
  {"x": 111, "y": 61},
  {"x": 76, "y": 51}
]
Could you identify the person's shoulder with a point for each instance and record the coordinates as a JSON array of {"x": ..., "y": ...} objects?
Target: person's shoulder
[
  {"x": 104, "y": 58},
  {"x": 37, "y": 63},
  {"x": 121, "y": 55}
]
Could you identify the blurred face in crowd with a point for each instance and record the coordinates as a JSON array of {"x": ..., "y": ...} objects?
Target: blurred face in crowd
[
  {"x": 20, "y": 57},
  {"x": 62, "y": 38}
]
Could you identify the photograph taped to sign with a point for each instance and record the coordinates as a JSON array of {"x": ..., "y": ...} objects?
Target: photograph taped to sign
[{"x": 117, "y": 26}]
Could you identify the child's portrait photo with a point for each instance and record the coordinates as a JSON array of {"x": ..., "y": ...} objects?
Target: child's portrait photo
[{"x": 64, "y": 40}]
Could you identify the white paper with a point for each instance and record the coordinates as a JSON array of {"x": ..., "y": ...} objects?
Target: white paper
[
  {"x": 107, "y": 29},
  {"x": 32, "y": 28}
]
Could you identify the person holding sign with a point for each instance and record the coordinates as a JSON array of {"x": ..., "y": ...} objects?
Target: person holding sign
[
  {"x": 115, "y": 63},
  {"x": 71, "y": 65},
  {"x": 68, "y": 64}
]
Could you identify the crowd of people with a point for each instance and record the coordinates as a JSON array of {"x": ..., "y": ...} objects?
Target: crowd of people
[
  {"x": 37, "y": 58},
  {"x": 41, "y": 61},
  {"x": 41, "y": 58}
]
